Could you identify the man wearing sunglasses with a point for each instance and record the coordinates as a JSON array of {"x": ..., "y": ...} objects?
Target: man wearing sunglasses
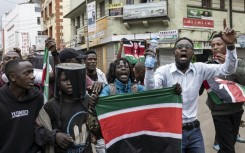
[{"x": 190, "y": 77}]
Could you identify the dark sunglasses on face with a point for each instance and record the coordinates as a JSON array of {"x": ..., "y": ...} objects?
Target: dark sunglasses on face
[{"x": 186, "y": 46}]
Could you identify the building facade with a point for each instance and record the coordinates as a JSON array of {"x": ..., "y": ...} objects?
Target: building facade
[
  {"x": 52, "y": 20},
  {"x": 21, "y": 26},
  {"x": 138, "y": 20}
]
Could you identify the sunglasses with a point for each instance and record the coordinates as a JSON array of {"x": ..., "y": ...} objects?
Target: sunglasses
[{"x": 181, "y": 46}]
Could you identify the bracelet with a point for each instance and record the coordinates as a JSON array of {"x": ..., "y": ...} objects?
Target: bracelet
[
  {"x": 149, "y": 68},
  {"x": 230, "y": 46},
  {"x": 55, "y": 53}
]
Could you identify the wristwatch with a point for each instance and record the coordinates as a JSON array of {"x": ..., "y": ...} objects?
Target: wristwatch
[{"x": 231, "y": 46}]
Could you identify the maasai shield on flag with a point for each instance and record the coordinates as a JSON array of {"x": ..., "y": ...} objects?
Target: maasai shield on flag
[
  {"x": 227, "y": 91},
  {"x": 143, "y": 122},
  {"x": 45, "y": 75}
]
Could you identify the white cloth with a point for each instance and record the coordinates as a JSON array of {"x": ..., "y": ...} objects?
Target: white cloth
[
  {"x": 191, "y": 81},
  {"x": 101, "y": 77}
]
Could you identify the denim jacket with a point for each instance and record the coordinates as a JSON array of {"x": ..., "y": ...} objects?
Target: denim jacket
[{"x": 121, "y": 88}]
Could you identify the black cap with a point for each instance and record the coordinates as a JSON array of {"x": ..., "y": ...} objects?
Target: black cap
[{"x": 69, "y": 53}]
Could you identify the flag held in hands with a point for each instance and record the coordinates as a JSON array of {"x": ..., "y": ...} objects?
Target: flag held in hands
[
  {"x": 227, "y": 91},
  {"x": 143, "y": 122},
  {"x": 45, "y": 75}
]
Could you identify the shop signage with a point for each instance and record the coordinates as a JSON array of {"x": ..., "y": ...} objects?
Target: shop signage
[
  {"x": 167, "y": 36},
  {"x": 199, "y": 13},
  {"x": 116, "y": 10},
  {"x": 198, "y": 23},
  {"x": 198, "y": 51}
]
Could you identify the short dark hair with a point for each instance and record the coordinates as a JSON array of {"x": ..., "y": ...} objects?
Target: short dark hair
[
  {"x": 184, "y": 38},
  {"x": 12, "y": 52},
  {"x": 215, "y": 34},
  {"x": 11, "y": 66},
  {"x": 139, "y": 66},
  {"x": 90, "y": 52}
]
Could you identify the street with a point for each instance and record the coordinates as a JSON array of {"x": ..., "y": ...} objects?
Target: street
[{"x": 207, "y": 126}]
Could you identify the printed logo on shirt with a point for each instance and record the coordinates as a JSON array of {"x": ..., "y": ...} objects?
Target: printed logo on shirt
[{"x": 20, "y": 113}]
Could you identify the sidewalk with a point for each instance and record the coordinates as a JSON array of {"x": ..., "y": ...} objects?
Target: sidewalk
[{"x": 207, "y": 126}]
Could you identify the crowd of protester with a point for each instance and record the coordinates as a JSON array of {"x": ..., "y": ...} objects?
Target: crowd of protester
[{"x": 29, "y": 126}]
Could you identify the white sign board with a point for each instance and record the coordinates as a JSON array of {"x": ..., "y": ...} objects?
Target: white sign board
[
  {"x": 40, "y": 42},
  {"x": 91, "y": 10},
  {"x": 25, "y": 43}
]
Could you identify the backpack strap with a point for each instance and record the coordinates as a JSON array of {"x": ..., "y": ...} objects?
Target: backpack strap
[
  {"x": 112, "y": 88},
  {"x": 134, "y": 88}
]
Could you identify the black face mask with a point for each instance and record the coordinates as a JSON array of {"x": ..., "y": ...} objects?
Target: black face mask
[{"x": 182, "y": 66}]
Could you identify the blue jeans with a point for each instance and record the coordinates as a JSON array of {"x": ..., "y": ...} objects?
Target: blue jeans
[{"x": 192, "y": 141}]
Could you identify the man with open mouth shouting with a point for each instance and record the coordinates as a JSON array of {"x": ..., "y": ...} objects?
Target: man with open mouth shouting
[{"x": 190, "y": 77}]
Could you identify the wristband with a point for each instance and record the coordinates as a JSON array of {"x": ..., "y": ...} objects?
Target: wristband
[{"x": 230, "y": 46}]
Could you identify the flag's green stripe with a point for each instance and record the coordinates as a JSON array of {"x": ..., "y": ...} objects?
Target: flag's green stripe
[
  {"x": 46, "y": 86},
  {"x": 215, "y": 98},
  {"x": 123, "y": 101}
]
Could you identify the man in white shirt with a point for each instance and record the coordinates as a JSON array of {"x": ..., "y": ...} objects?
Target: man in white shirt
[{"x": 190, "y": 76}]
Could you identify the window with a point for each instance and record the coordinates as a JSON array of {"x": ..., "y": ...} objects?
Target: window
[
  {"x": 46, "y": 13},
  {"x": 102, "y": 9},
  {"x": 50, "y": 9},
  {"x": 207, "y": 3},
  {"x": 146, "y": 1},
  {"x": 83, "y": 20},
  {"x": 37, "y": 9},
  {"x": 77, "y": 22},
  {"x": 39, "y": 33},
  {"x": 38, "y": 20},
  {"x": 129, "y": 1},
  {"x": 222, "y": 4},
  {"x": 110, "y": 1},
  {"x": 50, "y": 32}
]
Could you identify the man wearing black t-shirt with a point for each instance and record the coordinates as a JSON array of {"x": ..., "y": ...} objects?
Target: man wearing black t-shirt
[{"x": 61, "y": 123}]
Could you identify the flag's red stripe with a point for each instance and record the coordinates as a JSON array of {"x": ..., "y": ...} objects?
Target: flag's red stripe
[
  {"x": 44, "y": 75},
  {"x": 155, "y": 120},
  {"x": 206, "y": 85},
  {"x": 236, "y": 92}
]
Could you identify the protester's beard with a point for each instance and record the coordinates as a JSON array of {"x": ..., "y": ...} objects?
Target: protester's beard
[{"x": 182, "y": 66}]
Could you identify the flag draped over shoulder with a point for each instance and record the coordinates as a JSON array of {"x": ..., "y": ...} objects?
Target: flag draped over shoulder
[
  {"x": 226, "y": 91},
  {"x": 144, "y": 122},
  {"x": 45, "y": 75}
]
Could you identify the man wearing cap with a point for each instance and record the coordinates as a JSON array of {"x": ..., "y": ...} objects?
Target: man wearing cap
[{"x": 69, "y": 55}]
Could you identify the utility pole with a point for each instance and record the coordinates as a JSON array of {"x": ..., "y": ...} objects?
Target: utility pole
[
  {"x": 87, "y": 25},
  {"x": 229, "y": 13}
]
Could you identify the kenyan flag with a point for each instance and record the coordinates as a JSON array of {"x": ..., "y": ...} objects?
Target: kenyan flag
[
  {"x": 146, "y": 122},
  {"x": 227, "y": 91}
]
